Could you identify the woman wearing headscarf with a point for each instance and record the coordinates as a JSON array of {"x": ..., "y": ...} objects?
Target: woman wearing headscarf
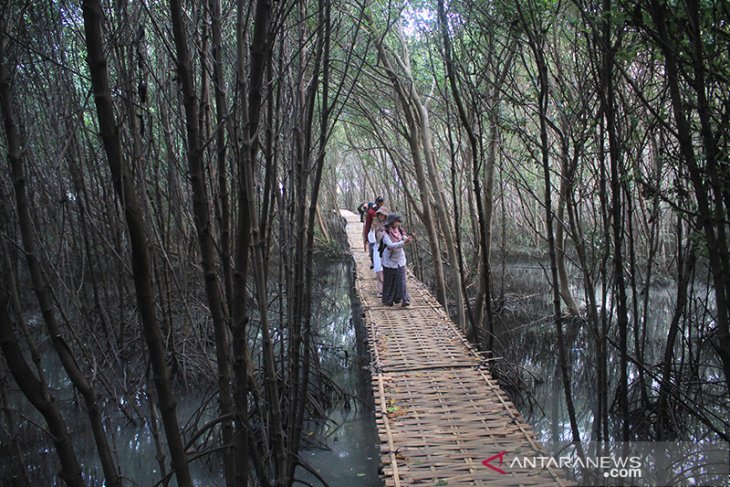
[{"x": 394, "y": 262}]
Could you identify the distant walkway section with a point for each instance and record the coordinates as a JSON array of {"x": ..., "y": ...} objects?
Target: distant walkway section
[{"x": 442, "y": 419}]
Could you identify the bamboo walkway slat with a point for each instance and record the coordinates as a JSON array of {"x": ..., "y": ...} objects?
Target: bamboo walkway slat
[{"x": 439, "y": 413}]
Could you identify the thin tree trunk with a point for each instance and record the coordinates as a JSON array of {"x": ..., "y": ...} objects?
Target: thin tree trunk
[
  {"x": 260, "y": 49},
  {"x": 536, "y": 43},
  {"x": 472, "y": 331},
  {"x": 123, "y": 185},
  {"x": 608, "y": 110},
  {"x": 712, "y": 218},
  {"x": 40, "y": 398},
  {"x": 42, "y": 287},
  {"x": 239, "y": 311},
  {"x": 201, "y": 212},
  {"x": 684, "y": 270},
  {"x": 324, "y": 52},
  {"x": 484, "y": 296},
  {"x": 565, "y": 292},
  {"x": 221, "y": 108},
  {"x": 444, "y": 218},
  {"x": 34, "y": 389}
]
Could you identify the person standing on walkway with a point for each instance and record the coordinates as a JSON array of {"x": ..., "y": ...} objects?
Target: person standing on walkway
[
  {"x": 368, "y": 235},
  {"x": 379, "y": 230},
  {"x": 363, "y": 209},
  {"x": 394, "y": 262}
]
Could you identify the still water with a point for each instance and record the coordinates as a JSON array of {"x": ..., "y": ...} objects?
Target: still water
[
  {"x": 526, "y": 340},
  {"x": 343, "y": 449},
  {"x": 352, "y": 454}
]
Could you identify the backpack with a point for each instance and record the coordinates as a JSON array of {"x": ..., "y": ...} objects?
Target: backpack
[{"x": 382, "y": 245}]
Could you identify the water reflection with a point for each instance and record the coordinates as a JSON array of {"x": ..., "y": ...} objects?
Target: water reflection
[
  {"x": 343, "y": 449},
  {"x": 351, "y": 455},
  {"x": 526, "y": 338}
]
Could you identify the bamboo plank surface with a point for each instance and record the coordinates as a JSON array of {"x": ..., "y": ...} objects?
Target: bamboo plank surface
[{"x": 439, "y": 413}]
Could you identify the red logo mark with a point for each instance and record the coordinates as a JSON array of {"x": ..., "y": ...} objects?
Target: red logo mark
[{"x": 487, "y": 462}]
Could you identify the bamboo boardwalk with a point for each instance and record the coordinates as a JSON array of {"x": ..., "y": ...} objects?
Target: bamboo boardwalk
[{"x": 438, "y": 411}]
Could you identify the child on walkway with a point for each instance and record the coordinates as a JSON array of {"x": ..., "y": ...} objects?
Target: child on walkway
[{"x": 394, "y": 262}]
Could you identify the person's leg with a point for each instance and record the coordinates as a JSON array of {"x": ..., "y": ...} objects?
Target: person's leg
[
  {"x": 371, "y": 247},
  {"x": 378, "y": 268},
  {"x": 404, "y": 287},
  {"x": 398, "y": 285},
  {"x": 388, "y": 286},
  {"x": 387, "y": 298}
]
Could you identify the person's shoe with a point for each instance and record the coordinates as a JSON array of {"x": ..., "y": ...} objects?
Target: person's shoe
[
  {"x": 405, "y": 303},
  {"x": 371, "y": 266},
  {"x": 380, "y": 295}
]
